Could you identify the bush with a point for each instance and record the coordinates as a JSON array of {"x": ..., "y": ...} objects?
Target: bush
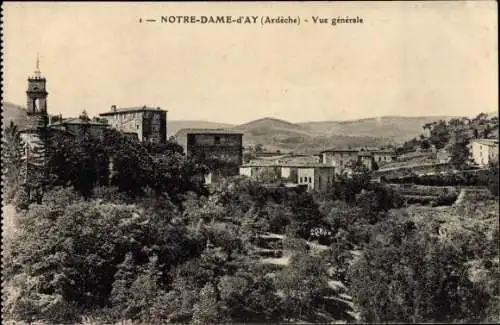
[
  {"x": 389, "y": 284},
  {"x": 446, "y": 199}
]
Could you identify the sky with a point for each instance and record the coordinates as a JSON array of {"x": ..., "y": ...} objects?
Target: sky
[{"x": 406, "y": 58}]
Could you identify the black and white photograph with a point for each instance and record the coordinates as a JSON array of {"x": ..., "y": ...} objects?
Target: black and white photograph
[{"x": 258, "y": 162}]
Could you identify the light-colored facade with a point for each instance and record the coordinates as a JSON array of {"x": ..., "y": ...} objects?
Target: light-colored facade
[
  {"x": 317, "y": 177},
  {"x": 149, "y": 124},
  {"x": 383, "y": 156},
  {"x": 345, "y": 159},
  {"x": 484, "y": 151},
  {"x": 340, "y": 159},
  {"x": 443, "y": 156},
  {"x": 367, "y": 161}
]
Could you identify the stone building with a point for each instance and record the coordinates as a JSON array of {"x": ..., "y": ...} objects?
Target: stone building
[
  {"x": 367, "y": 160},
  {"x": 339, "y": 158},
  {"x": 346, "y": 159},
  {"x": 35, "y": 132},
  {"x": 315, "y": 176},
  {"x": 76, "y": 126},
  {"x": 484, "y": 151},
  {"x": 218, "y": 149},
  {"x": 383, "y": 156},
  {"x": 37, "y": 135},
  {"x": 147, "y": 124}
]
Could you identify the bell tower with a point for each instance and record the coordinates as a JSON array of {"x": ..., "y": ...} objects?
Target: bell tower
[
  {"x": 37, "y": 96},
  {"x": 35, "y": 132}
]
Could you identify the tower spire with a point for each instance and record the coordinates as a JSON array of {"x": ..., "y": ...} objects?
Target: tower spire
[{"x": 37, "y": 71}]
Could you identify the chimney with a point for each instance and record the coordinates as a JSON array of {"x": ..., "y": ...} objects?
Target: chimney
[{"x": 113, "y": 108}]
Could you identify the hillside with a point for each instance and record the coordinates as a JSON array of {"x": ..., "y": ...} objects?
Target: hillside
[
  {"x": 14, "y": 113},
  {"x": 308, "y": 137},
  {"x": 396, "y": 128},
  {"x": 266, "y": 124},
  {"x": 275, "y": 134}
]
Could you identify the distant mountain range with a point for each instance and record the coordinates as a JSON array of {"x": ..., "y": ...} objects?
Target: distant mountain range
[{"x": 275, "y": 134}]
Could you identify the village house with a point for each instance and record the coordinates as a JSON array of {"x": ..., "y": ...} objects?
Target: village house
[
  {"x": 218, "y": 149},
  {"x": 76, "y": 126},
  {"x": 341, "y": 159},
  {"x": 346, "y": 159},
  {"x": 484, "y": 151},
  {"x": 383, "y": 156},
  {"x": 316, "y": 176},
  {"x": 147, "y": 124}
]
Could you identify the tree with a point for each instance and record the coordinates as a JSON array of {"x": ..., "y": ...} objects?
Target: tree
[
  {"x": 425, "y": 145},
  {"x": 440, "y": 135},
  {"x": 249, "y": 296},
  {"x": 493, "y": 178},
  {"x": 80, "y": 161},
  {"x": 389, "y": 284},
  {"x": 306, "y": 292},
  {"x": 84, "y": 116},
  {"x": 487, "y": 130},
  {"x": 460, "y": 154},
  {"x": 12, "y": 159},
  {"x": 206, "y": 310}
]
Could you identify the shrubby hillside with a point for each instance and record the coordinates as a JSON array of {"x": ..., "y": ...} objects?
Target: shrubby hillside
[{"x": 145, "y": 242}]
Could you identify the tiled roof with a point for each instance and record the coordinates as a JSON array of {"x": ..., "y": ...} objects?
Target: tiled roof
[
  {"x": 267, "y": 163},
  {"x": 77, "y": 121},
  {"x": 339, "y": 150},
  {"x": 384, "y": 152},
  {"x": 123, "y": 110},
  {"x": 487, "y": 142},
  {"x": 208, "y": 131}
]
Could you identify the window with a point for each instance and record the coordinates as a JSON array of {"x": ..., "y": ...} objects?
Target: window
[
  {"x": 217, "y": 140},
  {"x": 300, "y": 180},
  {"x": 309, "y": 179}
]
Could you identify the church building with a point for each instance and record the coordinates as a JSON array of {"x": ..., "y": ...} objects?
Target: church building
[{"x": 35, "y": 134}]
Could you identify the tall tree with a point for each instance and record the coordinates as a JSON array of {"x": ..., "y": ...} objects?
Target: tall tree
[
  {"x": 460, "y": 154},
  {"x": 12, "y": 155},
  {"x": 440, "y": 135}
]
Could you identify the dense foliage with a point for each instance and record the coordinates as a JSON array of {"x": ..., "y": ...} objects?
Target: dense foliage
[
  {"x": 12, "y": 156},
  {"x": 125, "y": 231},
  {"x": 390, "y": 283},
  {"x": 455, "y": 133}
]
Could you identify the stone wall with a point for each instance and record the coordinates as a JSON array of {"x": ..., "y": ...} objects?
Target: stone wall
[{"x": 221, "y": 153}]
